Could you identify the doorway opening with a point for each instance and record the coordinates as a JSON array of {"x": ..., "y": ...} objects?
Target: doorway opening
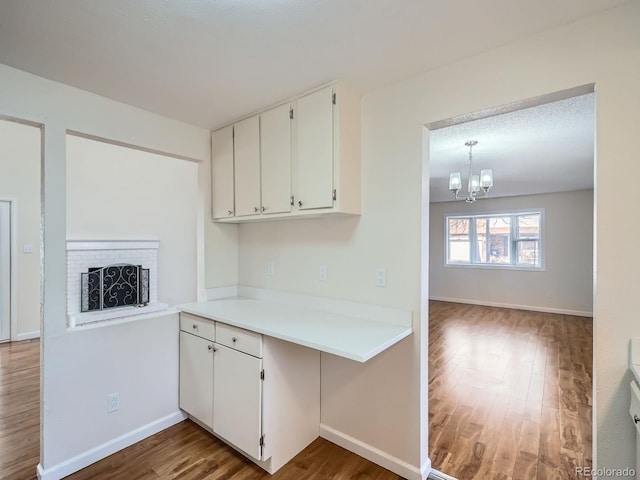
[{"x": 510, "y": 298}]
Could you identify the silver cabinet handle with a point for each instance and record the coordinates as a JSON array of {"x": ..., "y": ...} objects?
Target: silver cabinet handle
[
  {"x": 230, "y": 212},
  {"x": 195, "y": 326},
  {"x": 215, "y": 349},
  {"x": 234, "y": 339},
  {"x": 299, "y": 203},
  {"x": 210, "y": 347},
  {"x": 262, "y": 209},
  {"x": 255, "y": 209},
  {"x": 636, "y": 419}
]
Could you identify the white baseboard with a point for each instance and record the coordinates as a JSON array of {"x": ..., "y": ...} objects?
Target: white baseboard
[
  {"x": 63, "y": 469},
  {"x": 533, "y": 308},
  {"x": 436, "y": 475},
  {"x": 375, "y": 455},
  {"x": 27, "y": 336}
]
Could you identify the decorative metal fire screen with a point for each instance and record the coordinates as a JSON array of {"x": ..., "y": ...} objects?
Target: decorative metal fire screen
[{"x": 114, "y": 286}]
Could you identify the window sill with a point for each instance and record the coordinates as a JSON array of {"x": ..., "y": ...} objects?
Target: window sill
[
  {"x": 495, "y": 267},
  {"x": 119, "y": 315}
]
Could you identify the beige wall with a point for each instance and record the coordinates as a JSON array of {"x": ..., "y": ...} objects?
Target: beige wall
[
  {"x": 565, "y": 285},
  {"x": 603, "y": 49},
  {"x": 20, "y": 147}
]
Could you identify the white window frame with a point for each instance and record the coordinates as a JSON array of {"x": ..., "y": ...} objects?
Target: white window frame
[{"x": 512, "y": 246}]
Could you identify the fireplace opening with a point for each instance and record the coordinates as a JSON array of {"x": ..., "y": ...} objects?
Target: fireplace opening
[{"x": 112, "y": 286}]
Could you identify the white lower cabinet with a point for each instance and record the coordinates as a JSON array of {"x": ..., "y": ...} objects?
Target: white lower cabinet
[
  {"x": 237, "y": 399},
  {"x": 196, "y": 377},
  {"x": 259, "y": 394}
]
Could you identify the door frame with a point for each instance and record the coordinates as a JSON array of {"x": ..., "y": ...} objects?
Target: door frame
[{"x": 13, "y": 264}]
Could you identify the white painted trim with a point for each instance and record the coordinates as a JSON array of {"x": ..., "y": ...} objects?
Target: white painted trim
[
  {"x": 13, "y": 267},
  {"x": 124, "y": 319},
  {"x": 222, "y": 292},
  {"x": 113, "y": 245},
  {"x": 436, "y": 475},
  {"x": 82, "y": 460},
  {"x": 26, "y": 336},
  {"x": 77, "y": 319},
  {"x": 375, "y": 455},
  {"x": 533, "y": 308},
  {"x": 393, "y": 316}
]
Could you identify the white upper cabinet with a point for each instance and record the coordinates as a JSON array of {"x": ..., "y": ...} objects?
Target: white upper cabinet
[
  {"x": 275, "y": 149},
  {"x": 313, "y": 116},
  {"x": 246, "y": 141},
  {"x": 308, "y": 165},
  {"x": 222, "y": 173}
]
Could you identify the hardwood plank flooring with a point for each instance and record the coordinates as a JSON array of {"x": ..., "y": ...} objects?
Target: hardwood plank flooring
[
  {"x": 19, "y": 410},
  {"x": 510, "y": 392},
  {"x": 184, "y": 451},
  {"x": 187, "y": 452}
]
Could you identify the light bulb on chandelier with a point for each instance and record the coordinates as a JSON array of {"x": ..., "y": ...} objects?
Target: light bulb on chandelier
[{"x": 478, "y": 186}]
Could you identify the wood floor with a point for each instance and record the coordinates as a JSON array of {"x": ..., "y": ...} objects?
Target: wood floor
[
  {"x": 510, "y": 393},
  {"x": 184, "y": 451},
  {"x": 19, "y": 410},
  {"x": 510, "y": 396}
]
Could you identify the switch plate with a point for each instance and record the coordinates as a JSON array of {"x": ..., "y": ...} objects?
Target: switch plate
[
  {"x": 113, "y": 402},
  {"x": 323, "y": 273},
  {"x": 381, "y": 277},
  {"x": 271, "y": 268}
]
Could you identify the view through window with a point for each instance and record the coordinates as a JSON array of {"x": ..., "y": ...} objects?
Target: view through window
[{"x": 510, "y": 239}]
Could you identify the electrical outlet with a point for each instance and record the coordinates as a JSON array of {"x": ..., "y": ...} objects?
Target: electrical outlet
[
  {"x": 381, "y": 277},
  {"x": 113, "y": 402},
  {"x": 323, "y": 273},
  {"x": 271, "y": 268},
  {"x": 27, "y": 248}
]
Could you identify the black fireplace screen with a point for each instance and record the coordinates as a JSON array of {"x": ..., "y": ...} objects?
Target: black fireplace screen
[{"x": 114, "y": 286}]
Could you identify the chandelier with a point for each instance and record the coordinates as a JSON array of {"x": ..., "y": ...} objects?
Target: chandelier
[{"x": 477, "y": 185}]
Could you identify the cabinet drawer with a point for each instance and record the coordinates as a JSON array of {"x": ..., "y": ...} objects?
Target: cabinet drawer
[
  {"x": 239, "y": 339},
  {"x": 197, "y": 326}
]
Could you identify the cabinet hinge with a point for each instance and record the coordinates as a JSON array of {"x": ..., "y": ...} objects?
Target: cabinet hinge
[
  {"x": 291, "y": 200},
  {"x": 291, "y": 113},
  {"x": 261, "y": 440},
  {"x": 333, "y": 98},
  {"x": 335, "y": 194},
  {"x": 261, "y": 374}
]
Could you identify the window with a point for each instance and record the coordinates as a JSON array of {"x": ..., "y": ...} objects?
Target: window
[{"x": 509, "y": 239}]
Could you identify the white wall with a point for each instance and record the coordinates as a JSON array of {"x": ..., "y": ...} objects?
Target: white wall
[
  {"x": 564, "y": 286},
  {"x": 133, "y": 357},
  {"x": 603, "y": 49},
  {"x": 20, "y": 147},
  {"x": 118, "y": 193}
]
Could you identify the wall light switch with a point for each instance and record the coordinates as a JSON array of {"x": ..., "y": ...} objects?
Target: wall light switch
[
  {"x": 271, "y": 268},
  {"x": 323, "y": 273},
  {"x": 381, "y": 277}
]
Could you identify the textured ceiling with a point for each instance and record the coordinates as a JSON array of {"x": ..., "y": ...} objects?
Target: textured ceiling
[
  {"x": 209, "y": 62},
  {"x": 548, "y": 148}
]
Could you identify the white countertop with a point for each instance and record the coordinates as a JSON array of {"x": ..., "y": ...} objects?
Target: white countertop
[{"x": 346, "y": 336}]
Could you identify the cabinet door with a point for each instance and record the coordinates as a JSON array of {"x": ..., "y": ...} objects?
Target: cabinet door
[
  {"x": 275, "y": 159},
  {"x": 246, "y": 142},
  {"x": 196, "y": 377},
  {"x": 314, "y": 150},
  {"x": 237, "y": 399},
  {"x": 222, "y": 173}
]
